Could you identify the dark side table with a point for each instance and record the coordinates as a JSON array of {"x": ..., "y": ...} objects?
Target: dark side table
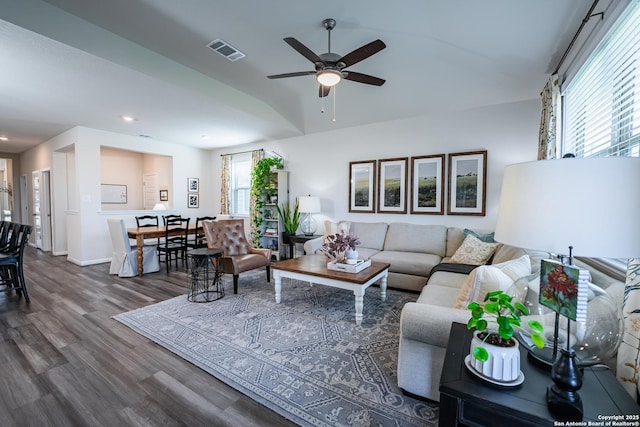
[
  {"x": 466, "y": 400},
  {"x": 205, "y": 278},
  {"x": 299, "y": 238}
]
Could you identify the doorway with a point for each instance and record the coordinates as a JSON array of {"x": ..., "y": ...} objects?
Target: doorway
[{"x": 41, "y": 215}]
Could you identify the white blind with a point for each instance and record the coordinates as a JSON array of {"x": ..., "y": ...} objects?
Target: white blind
[{"x": 602, "y": 102}]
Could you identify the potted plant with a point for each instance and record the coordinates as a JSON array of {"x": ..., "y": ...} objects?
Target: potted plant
[
  {"x": 337, "y": 245},
  {"x": 494, "y": 350},
  {"x": 290, "y": 220},
  {"x": 261, "y": 189}
]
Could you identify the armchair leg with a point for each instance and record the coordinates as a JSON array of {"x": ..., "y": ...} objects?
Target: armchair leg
[
  {"x": 268, "y": 273},
  {"x": 235, "y": 283}
]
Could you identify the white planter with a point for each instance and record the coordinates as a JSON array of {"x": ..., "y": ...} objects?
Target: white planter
[
  {"x": 503, "y": 364},
  {"x": 352, "y": 256}
]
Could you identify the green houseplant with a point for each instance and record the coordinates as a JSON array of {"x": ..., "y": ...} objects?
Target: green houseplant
[
  {"x": 496, "y": 322},
  {"x": 290, "y": 220},
  {"x": 262, "y": 186}
]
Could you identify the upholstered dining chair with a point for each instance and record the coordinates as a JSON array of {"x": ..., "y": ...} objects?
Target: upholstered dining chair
[
  {"x": 124, "y": 260},
  {"x": 239, "y": 256}
]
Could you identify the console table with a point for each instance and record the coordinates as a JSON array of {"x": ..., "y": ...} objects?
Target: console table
[{"x": 466, "y": 400}]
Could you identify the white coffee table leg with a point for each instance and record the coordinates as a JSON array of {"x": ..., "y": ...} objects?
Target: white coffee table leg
[
  {"x": 383, "y": 288},
  {"x": 359, "y": 294},
  {"x": 278, "y": 286}
]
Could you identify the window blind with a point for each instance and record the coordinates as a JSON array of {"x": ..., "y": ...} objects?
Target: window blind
[{"x": 602, "y": 102}]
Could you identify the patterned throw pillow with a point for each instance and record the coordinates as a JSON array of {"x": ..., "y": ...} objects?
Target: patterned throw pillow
[{"x": 473, "y": 251}]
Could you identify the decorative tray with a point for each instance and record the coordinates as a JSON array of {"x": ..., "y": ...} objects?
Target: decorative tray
[{"x": 360, "y": 265}]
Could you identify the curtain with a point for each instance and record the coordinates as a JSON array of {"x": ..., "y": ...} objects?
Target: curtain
[
  {"x": 256, "y": 156},
  {"x": 225, "y": 189},
  {"x": 628, "y": 362},
  {"x": 547, "y": 135}
]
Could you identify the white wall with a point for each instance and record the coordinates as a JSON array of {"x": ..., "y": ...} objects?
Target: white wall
[{"x": 319, "y": 163}]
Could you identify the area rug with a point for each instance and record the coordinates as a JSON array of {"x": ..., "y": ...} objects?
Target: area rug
[{"x": 304, "y": 358}]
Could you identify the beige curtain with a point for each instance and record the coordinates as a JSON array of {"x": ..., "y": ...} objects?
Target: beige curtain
[
  {"x": 628, "y": 363},
  {"x": 547, "y": 148},
  {"x": 256, "y": 156},
  {"x": 225, "y": 189}
]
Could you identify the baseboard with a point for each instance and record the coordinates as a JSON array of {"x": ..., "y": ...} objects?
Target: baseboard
[{"x": 90, "y": 262}]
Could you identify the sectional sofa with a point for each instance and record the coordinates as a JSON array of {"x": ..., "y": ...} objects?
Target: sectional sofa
[{"x": 420, "y": 258}]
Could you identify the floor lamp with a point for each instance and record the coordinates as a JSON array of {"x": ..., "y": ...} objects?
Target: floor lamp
[{"x": 588, "y": 205}]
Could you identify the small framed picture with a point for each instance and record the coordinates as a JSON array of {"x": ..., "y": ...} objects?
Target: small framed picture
[
  {"x": 193, "y": 185},
  {"x": 427, "y": 184},
  {"x": 194, "y": 200},
  {"x": 164, "y": 195},
  {"x": 362, "y": 186},
  {"x": 392, "y": 185},
  {"x": 467, "y": 183}
]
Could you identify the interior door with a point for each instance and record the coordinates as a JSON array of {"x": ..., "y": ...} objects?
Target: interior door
[
  {"x": 45, "y": 207},
  {"x": 150, "y": 188},
  {"x": 36, "y": 215}
]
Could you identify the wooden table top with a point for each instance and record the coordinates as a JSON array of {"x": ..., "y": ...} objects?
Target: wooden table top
[
  {"x": 316, "y": 265},
  {"x": 155, "y": 231}
]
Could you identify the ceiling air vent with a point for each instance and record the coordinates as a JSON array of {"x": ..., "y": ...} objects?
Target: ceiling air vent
[{"x": 226, "y": 50}]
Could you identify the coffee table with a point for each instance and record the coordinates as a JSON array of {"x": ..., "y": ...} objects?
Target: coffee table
[{"x": 313, "y": 269}]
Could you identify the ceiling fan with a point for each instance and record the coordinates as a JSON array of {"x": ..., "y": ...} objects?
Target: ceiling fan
[{"x": 330, "y": 67}]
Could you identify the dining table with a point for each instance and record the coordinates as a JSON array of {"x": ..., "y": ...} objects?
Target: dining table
[{"x": 142, "y": 233}]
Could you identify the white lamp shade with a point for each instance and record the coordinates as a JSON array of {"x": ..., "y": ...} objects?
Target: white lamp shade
[
  {"x": 592, "y": 204},
  {"x": 329, "y": 77},
  {"x": 308, "y": 204}
]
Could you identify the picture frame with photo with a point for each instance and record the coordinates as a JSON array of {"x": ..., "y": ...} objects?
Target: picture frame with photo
[
  {"x": 193, "y": 200},
  {"x": 164, "y": 195},
  {"x": 427, "y": 184},
  {"x": 467, "y": 184},
  {"x": 193, "y": 185},
  {"x": 362, "y": 186},
  {"x": 392, "y": 185}
]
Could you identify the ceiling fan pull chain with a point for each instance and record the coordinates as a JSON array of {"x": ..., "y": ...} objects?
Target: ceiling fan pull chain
[
  {"x": 335, "y": 89},
  {"x": 322, "y": 104}
]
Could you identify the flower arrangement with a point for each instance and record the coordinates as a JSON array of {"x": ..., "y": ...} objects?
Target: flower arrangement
[{"x": 336, "y": 245}]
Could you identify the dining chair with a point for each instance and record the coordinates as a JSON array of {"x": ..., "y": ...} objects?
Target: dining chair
[
  {"x": 124, "y": 260},
  {"x": 174, "y": 245},
  {"x": 148, "y": 221},
  {"x": 166, "y": 218},
  {"x": 199, "y": 239},
  {"x": 12, "y": 261},
  {"x": 239, "y": 255}
]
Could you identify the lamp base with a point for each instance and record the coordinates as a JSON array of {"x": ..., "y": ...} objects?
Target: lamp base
[
  {"x": 563, "y": 408},
  {"x": 563, "y": 399}
]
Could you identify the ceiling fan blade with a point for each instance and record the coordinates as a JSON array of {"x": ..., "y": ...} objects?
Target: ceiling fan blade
[
  {"x": 296, "y": 74},
  {"x": 302, "y": 49},
  {"x": 363, "y": 78},
  {"x": 323, "y": 91},
  {"x": 362, "y": 53}
]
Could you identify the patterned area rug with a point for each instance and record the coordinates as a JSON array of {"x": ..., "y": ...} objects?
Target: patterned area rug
[{"x": 304, "y": 358}]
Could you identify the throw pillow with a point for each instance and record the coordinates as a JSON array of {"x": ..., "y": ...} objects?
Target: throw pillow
[
  {"x": 473, "y": 251},
  {"x": 331, "y": 227},
  {"x": 487, "y": 238},
  {"x": 481, "y": 280},
  {"x": 516, "y": 268}
]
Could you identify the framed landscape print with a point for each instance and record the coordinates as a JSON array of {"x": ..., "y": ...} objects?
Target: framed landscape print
[
  {"x": 467, "y": 183},
  {"x": 392, "y": 185},
  {"x": 193, "y": 200},
  {"x": 427, "y": 184},
  {"x": 164, "y": 195},
  {"x": 193, "y": 185},
  {"x": 362, "y": 189}
]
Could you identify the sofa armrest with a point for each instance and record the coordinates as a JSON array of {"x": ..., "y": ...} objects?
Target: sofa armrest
[
  {"x": 430, "y": 324},
  {"x": 312, "y": 246}
]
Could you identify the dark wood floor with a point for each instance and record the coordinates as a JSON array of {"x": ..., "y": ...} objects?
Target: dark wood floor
[{"x": 65, "y": 362}]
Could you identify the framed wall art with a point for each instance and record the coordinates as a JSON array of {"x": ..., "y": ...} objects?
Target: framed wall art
[
  {"x": 392, "y": 185},
  {"x": 194, "y": 200},
  {"x": 427, "y": 184},
  {"x": 467, "y": 183},
  {"x": 193, "y": 185},
  {"x": 113, "y": 194},
  {"x": 164, "y": 195},
  {"x": 362, "y": 186}
]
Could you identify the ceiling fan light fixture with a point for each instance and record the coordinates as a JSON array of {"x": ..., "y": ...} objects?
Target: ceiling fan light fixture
[{"x": 329, "y": 78}]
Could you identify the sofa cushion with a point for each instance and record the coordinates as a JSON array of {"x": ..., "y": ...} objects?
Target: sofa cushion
[
  {"x": 408, "y": 262},
  {"x": 438, "y": 295},
  {"x": 473, "y": 251},
  {"x": 515, "y": 268},
  {"x": 365, "y": 253},
  {"x": 429, "y": 239},
  {"x": 455, "y": 237},
  {"x": 371, "y": 234},
  {"x": 483, "y": 279}
]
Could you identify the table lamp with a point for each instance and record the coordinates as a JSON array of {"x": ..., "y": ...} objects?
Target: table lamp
[
  {"x": 309, "y": 205},
  {"x": 590, "y": 205}
]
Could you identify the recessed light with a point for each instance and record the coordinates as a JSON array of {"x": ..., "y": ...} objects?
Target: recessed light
[
  {"x": 3, "y": 138},
  {"x": 128, "y": 118}
]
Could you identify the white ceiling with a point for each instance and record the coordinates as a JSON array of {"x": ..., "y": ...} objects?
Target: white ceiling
[{"x": 86, "y": 62}]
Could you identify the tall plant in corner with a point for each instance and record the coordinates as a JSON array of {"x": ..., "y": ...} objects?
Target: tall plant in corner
[{"x": 262, "y": 186}]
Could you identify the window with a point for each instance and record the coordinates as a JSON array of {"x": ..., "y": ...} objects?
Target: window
[
  {"x": 602, "y": 102},
  {"x": 240, "y": 183}
]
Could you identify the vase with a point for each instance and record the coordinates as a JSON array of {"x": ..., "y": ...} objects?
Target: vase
[
  {"x": 352, "y": 256},
  {"x": 503, "y": 364}
]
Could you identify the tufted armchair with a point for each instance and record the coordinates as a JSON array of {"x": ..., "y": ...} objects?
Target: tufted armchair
[{"x": 239, "y": 256}]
